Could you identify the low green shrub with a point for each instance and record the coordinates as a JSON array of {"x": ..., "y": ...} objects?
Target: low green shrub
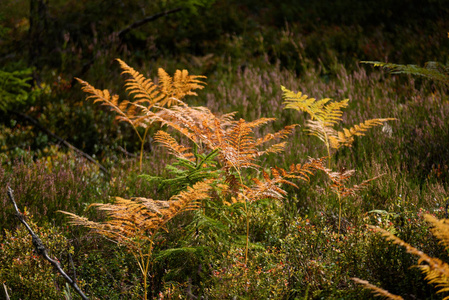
[{"x": 27, "y": 275}]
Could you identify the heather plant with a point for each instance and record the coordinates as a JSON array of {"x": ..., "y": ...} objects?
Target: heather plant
[
  {"x": 105, "y": 267},
  {"x": 320, "y": 261},
  {"x": 56, "y": 182},
  {"x": 265, "y": 276}
]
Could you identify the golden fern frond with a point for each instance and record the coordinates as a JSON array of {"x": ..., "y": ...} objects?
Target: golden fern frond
[
  {"x": 240, "y": 151},
  {"x": 269, "y": 185},
  {"x": 276, "y": 148},
  {"x": 297, "y": 101},
  {"x": 190, "y": 198},
  {"x": 376, "y": 290},
  {"x": 177, "y": 87},
  {"x": 142, "y": 89},
  {"x": 268, "y": 188},
  {"x": 80, "y": 221},
  {"x": 346, "y": 137},
  {"x": 106, "y": 99},
  {"x": 331, "y": 113},
  {"x": 437, "y": 271},
  {"x": 340, "y": 178},
  {"x": 281, "y": 134},
  {"x": 127, "y": 216},
  {"x": 105, "y": 229},
  {"x": 194, "y": 122},
  {"x": 185, "y": 83},
  {"x": 173, "y": 146},
  {"x": 131, "y": 221},
  {"x": 303, "y": 171},
  {"x": 440, "y": 229},
  {"x": 259, "y": 122},
  {"x": 126, "y": 111},
  {"x": 320, "y": 130}
]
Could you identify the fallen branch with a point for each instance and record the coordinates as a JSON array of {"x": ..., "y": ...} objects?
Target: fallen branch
[
  {"x": 40, "y": 248},
  {"x": 6, "y": 292},
  {"x": 139, "y": 23}
]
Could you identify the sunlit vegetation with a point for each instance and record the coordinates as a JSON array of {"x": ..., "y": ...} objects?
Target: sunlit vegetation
[{"x": 226, "y": 150}]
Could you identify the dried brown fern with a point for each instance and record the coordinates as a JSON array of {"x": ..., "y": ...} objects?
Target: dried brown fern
[
  {"x": 238, "y": 150},
  {"x": 269, "y": 186},
  {"x": 148, "y": 97},
  {"x": 236, "y": 139},
  {"x": 339, "y": 185},
  {"x": 134, "y": 223}
]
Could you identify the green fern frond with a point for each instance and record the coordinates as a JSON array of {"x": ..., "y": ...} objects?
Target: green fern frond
[
  {"x": 187, "y": 172},
  {"x": 173, "y": 146},
  {"x": 432, "y": 70},
  {"x": 14, "y": 88}
]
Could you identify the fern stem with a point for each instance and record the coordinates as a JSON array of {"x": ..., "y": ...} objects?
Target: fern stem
[
  {"x": 339, "y": 213},
  {"x": 328, "y": 150},
  {"x": 142, "y": 144},
  {"x": 247, "y": 218},
  {"x": 247, "y": 234}
]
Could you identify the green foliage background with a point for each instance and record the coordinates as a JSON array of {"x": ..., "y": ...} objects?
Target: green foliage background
[{"x": 247, "y": 49}]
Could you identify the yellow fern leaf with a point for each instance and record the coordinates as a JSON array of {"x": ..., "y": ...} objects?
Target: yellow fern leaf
[
  {"x": 176, "y": 149},
  {"x": 105, "y": 98},
  {"x": 346, "y": 137},
  {"x": 440, "y": 229},
  {"x": 321, "y": 131},
  {"x": 177, "y": 87},
  {"x": 143, "y": 90},
  {"x": 321, "y": 110},
  {"x": 436, "y": 270},
  {"x": 376, "y": 290}
]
